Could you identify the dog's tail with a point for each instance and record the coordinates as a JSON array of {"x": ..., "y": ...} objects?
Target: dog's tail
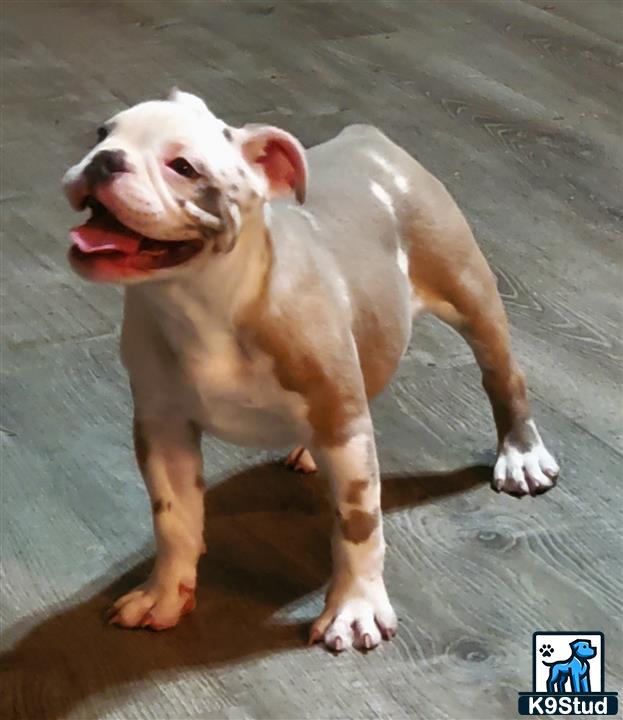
[{"x": 555, "y": 662}]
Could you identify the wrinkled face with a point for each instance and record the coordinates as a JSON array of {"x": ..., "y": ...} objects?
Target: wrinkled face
[{"x": 168, "y": 183}]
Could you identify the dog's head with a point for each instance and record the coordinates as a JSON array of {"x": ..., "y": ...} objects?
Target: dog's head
[
  {"x": 169, "y": 183},
  {"x": 583, "y": 649}
]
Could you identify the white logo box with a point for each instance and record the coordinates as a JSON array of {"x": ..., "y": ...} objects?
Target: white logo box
[{"x": 561, "y": 651}]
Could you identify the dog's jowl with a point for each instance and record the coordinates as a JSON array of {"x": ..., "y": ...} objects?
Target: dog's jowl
[{"x": 269, "y": 295}]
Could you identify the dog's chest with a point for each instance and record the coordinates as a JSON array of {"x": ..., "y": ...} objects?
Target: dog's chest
[{"x": 236, "y": 394}]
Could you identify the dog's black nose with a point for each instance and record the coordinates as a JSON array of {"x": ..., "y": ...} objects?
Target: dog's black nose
[{"x": 104, "y": 165}]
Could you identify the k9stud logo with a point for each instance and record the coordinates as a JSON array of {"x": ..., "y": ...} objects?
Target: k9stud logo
[{"x": 568, "y": 676}]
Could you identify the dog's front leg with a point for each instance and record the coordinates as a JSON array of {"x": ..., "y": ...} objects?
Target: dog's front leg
[
  {"x": 357, "y": 610},
  {"x": 168, "y": 452}
]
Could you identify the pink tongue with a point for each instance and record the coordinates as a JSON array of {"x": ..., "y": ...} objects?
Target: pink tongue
[{"x": 92, "y": 239}]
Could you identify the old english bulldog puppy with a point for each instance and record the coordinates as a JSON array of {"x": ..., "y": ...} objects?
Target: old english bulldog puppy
[{"x": 269, "y": 294}]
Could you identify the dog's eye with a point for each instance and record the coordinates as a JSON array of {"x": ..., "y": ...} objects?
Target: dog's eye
[
  {"x": 102, "y": 133},
  {"x": 183, "y": 167}
]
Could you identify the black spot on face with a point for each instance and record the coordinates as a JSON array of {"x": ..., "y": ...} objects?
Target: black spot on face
[
  {"x": 234, "y": 187},
  {"x": 227, "y": 134},
  {"x": 209, "y": 199}
]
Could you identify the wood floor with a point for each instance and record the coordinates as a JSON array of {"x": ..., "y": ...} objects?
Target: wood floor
[{"x": 516, "y": 106}]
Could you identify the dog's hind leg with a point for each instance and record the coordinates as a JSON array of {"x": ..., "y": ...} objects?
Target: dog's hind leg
[
  {"x": 551, "y": 681},
  {"x": 556, "y": 680},
  {"x": 452, "y": 279}
]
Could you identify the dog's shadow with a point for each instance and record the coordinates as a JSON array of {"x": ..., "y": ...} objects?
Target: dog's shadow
[{"x": 267, "y": 533}]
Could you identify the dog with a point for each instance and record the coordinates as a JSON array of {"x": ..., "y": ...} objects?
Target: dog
[
  {"x": 269, "y": 295},
  {"x": 576, "y": 668}
]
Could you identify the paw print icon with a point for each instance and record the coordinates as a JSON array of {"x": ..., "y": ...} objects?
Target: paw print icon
[{"x": 546, "y": 650}]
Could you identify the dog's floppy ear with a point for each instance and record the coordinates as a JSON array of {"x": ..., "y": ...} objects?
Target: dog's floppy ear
[{"x": 279, "y": 155}]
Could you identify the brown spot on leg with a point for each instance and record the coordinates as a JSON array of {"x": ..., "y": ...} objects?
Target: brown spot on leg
[
  {"x": 355, "y": 491},
  {"x": 358, "y": 525},
  {"x": 522, "y": 436},
  {"x": 157, "y": 507},
  {"x": 141, "y": 446}
]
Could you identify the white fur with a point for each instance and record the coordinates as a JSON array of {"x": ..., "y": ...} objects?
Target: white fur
[
  {"x": 152, "y": 198},
  {"x": 403, "y": 261},
  {"x": 401, "y": 183},
  {"x": 399, "y": 180},
  {"x": 384, "y": 197},
  {"x": 524, "y": 473}
]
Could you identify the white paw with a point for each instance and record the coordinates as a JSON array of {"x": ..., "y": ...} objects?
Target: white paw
[
  {"x": 357, "y": 617},
  {"x": 300, "y": 459},
  {"x": 154, "y": 605},
  {"x": 524, "y": 470}
]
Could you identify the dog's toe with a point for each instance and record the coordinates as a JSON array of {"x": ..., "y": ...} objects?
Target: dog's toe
[
  {"x": 358, "y": 620},
  {"x": 301, "y": 460},
  {"x": 153, "y": 606},
  {"x": 524, "y": 471}
]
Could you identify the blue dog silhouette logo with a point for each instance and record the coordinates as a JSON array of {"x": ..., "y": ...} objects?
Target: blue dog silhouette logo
[
  {"x": 575, "y": 669},
  {"x": 568, "y": 675}
]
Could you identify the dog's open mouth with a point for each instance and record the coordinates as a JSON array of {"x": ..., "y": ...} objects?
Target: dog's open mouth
[{"x": 105, "y": 241}]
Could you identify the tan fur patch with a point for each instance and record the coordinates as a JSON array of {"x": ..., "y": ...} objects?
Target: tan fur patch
[
  {"x": 355, "y": 491},
  {"x": 358, "y": 525},
  {"x": 331, "y": 387}
]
